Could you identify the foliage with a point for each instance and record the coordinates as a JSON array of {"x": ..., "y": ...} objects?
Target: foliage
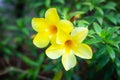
[{"x": 20, "y": 59}]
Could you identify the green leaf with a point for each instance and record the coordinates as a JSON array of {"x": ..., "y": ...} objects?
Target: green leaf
[
  {"x": 99, "y": 1},
  {"x": 11, "y": 28},
  {"x": 112, "y": 30},
  {"x": 93, "y": 41},
  {"x": 100, "y": 19},
  {"x": 25, "y": 31},
  {"x": 58, "y": 75},
  {"x": 100, "y": 10},
  {"x": 7, "y": 51},
  {"x": 28, "y": 60},
  {"x": 110, "y": 5},
  {"x": 83, "y": 23},
  {"x": 102, "y": 62},
  {"x": 113, "y": 43},
  {"x": 97, "y": 28},
  {"x": 61, "y": 1},
  {"x": 117, "y": 62},
  {"x": 20, "y": 23},
  {"x": 47, "y": 3},
  {"x": 89, "y": 4},
  {"x": 103, "y": 33},
  {"x": 111, "y": 18},
  {"x": 99, "y": 52},
  {"x": 111, "y": 52},
  {"x": 77, "y": 13}
]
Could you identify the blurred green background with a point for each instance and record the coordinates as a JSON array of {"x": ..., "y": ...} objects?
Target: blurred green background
[{"x": 21, "y": 60}]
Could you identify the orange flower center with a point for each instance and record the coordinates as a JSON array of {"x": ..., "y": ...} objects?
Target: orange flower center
[
  {"x": 68, "y": 43},
  {"x": 53, "y": 29}
]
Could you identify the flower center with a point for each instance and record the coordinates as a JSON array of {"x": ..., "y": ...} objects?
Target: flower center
[
  {"x": 68, "y": 43},
  {"x": 53, "y": 29}
]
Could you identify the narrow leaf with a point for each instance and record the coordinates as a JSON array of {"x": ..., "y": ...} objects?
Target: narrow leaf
[
  {"x": 111, "y": 52},
  {"x": 97, "y": 28}
]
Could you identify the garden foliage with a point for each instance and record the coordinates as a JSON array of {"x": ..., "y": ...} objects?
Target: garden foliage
[{"x": 21, "y": 60}]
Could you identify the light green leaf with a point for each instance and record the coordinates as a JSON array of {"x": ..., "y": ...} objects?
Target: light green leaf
[
  {"x": 97, "y": 28},
  {"x": 47, "y": 3},
  {"x": 100, "y": 20},
  {"x": 83, "y": 23}
]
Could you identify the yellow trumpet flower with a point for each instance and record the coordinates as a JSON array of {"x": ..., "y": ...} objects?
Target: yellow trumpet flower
[
  {"x": 68, "y": 46},
  {"x": 49, "y": 27}
]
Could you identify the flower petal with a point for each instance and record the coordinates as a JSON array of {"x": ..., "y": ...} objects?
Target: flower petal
[
  {"x": 65, "y": 25},
  {"x": 51, "y": 16},
  {"x": 79, "y": 34},
  {"x": 54, "y": 51},
  {"x": 39, "y": 24},
  {"x": 68, "y": 61},
  {"x": 83, "y": 51},
  {"x": 62, "y": 37},
  {"x": 41, "y": 40}
]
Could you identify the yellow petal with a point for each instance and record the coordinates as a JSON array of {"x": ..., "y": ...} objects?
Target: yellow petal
[
  {"x": 39, "y": 24},
  {"x": 65, "y": 25},
  {"x": 41, "y": 40},
  {"x": 53, "y": 39},
  {"x": 51, "y": 16},
  {"x": 62, "y": 37},
  {"x": 54, "y": 51},
  {"x": 83, "y": 51},
  {"x": 68, "y": 61},
  {"x": 79, "y": 34}
]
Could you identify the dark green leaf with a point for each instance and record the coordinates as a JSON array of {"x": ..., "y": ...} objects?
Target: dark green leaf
[
  {"x": 110, "y": 52},
  {"x": 117, "y": 61},
  {"x": 99, "y": 52},
  {"x": 102, "y": 62}
]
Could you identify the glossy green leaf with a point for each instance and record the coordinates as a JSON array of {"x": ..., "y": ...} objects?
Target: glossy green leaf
[
  {"x": 100, "y": 10},
  {"x": 110, "y": 5},
  {"x": 99, "y": 52},
  {"x": 100, "y": 20},
  {"x": 111, "y": 18},
  {"x": 97, "y": 28},
  {"x": 110, "y": 52}
]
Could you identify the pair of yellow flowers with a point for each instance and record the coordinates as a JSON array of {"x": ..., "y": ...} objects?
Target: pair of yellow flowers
[{"x": 65, "y": 39}]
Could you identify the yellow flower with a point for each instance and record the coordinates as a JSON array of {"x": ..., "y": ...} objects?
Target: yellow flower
[
  {"x": 69, "y": 46},
  {"x": 48, "y": 28}
]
